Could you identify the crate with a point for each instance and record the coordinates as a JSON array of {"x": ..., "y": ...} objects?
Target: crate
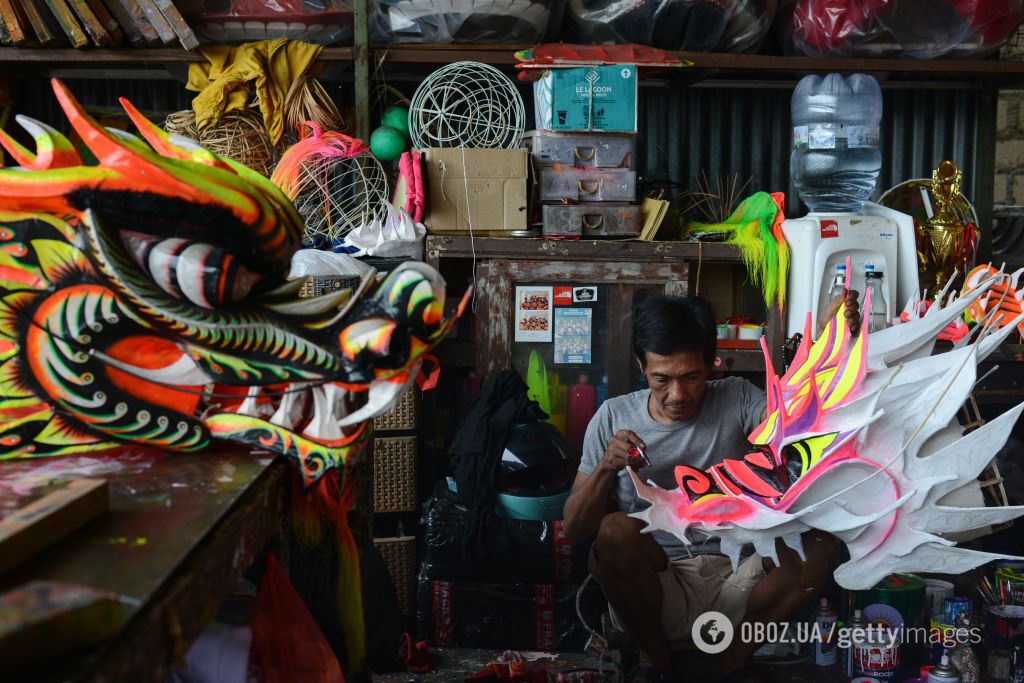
[
  {"x": 399, "y": 555},
  {"x": 394, "y": 474},
  {"x": 403, "y": 418}
]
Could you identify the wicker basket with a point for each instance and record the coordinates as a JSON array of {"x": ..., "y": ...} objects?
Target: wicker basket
[
  {"x": 394, "y": 474},
  {"x": 400, "y": 556},
  {"x": 404, "y": 418}
]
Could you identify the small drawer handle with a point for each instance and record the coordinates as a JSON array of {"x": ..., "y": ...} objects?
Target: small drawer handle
[
  {"x": 584, "y": 153},
  {"x": 595, "y": 186},
  {"x": 593, "y": 221}
]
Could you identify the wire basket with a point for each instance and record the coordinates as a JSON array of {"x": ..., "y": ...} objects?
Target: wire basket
[
  {"x": 467, "y": 104},
  {"x": 399, "y": 554},
  {"x": 394, "y": 474}
]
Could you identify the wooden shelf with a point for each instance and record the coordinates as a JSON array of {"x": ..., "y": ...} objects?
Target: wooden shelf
[
  {"x": 127, "y": 57},
  {"x": 446, "y": 246},
  {"x": 497, "y": 55}
]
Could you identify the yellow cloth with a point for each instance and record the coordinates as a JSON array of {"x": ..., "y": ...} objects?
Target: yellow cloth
[{"x": 224, "y": 81}]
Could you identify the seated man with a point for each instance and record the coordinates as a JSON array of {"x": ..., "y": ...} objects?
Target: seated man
[{"x": 655, "y": 584}]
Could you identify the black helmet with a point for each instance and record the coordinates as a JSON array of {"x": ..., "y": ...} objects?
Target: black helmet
[{"x": 535, "y": 460}]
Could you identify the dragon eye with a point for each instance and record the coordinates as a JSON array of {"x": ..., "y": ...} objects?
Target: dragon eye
[{"x": 206, "y": 275}]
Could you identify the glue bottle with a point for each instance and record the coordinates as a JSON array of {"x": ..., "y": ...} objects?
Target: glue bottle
[{"x": 824, "y": 644}]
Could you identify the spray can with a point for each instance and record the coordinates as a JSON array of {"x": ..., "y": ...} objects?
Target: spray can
[
  {"x": 944, "y": 672},
  {"x": 1017, "y": 659},
  {"x": 824, "y": 642},
  {"x": 855, "y": 633}
]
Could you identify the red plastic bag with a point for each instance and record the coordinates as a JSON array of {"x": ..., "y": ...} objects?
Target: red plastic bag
[{"x": 287, "y": 644}]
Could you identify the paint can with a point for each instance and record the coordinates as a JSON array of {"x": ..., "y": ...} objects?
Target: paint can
[
  {"x": 825, "y": 641},
  {"x": 1002, "y": 624},
  {"x": 935, "y": 593},
  {"x": 953, "y": 608},
  {"x": 876, "y": 657},
  {"x": 855, "y": 633}
]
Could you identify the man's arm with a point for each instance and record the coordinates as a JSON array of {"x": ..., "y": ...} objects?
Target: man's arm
[{"x": 588, "y": 501}]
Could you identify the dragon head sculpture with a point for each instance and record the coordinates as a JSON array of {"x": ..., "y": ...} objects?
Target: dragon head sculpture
[
  {"x": 144, "y": 300},
  {"x": 861, "y": 440}
]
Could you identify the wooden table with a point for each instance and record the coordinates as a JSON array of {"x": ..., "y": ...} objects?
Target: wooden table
[{"x": 180, "y": 531}]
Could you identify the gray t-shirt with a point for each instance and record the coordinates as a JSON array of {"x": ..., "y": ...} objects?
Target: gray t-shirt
[{"x": 731, "y": 409}]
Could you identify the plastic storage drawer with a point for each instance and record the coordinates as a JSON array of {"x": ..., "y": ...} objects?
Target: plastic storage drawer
[
  {"x": 585, "y": 185},
  {"x": 590, "y": 151},
  {"x": 591, "y": 220}
]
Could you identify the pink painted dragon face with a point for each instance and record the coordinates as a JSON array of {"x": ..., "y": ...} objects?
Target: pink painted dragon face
[{"x": 860, "y": 440}]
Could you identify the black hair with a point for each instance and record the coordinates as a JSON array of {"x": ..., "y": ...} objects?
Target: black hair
[{"x": 669, "y": 324}]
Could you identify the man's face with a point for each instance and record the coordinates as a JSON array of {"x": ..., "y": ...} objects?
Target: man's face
[{"x": 677, "y": 384}]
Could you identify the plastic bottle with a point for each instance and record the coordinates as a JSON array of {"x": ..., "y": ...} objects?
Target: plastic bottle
[
  {"x": 824, "y": 644},
  {"x": 835, "y": 289},
  {"x": 878, "y": 317},
  {"x": 835, "y": 159},
  {"x": 582, "y": 404}
]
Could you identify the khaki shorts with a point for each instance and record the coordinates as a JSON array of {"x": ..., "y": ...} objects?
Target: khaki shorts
[{"x": 692, "y": 586}]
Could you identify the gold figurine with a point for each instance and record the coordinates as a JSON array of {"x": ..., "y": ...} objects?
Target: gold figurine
[{"x": 942, "y": 237}]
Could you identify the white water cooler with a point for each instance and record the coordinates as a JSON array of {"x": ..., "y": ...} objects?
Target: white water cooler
[{"x": 821, "y": 241}]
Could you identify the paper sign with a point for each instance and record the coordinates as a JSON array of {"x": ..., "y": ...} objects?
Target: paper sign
[
  {"x": 572, "y": 335},
  {"x": 584, "y": 295},
  {"x": 533, "y": 314},
  {"x": 563, "y": 296}
]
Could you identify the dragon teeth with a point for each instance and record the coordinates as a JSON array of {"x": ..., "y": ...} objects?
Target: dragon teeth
[
  {"x": 293, "y": 406},
  {"x": 251, "y": 407},
  {"x": 324, "y": 425}
]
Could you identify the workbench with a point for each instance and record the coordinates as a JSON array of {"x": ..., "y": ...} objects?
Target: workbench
[{"x": 181, "y": 530}]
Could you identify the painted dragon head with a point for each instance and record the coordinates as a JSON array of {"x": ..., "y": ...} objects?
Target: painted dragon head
[
  {"x": 144, "y": 300},
  {"x": 861, "y": 440}
]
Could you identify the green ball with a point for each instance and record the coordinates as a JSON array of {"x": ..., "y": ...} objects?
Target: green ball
[
  {"x": 386, "y": 143},
  {"x": 397, "y": 118}
]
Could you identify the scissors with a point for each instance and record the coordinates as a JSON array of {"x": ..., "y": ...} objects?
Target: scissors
[{"x": 637, "y": 458}]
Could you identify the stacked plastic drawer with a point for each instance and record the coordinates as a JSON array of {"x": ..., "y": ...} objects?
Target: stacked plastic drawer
[{"x": 586, "y": 184}]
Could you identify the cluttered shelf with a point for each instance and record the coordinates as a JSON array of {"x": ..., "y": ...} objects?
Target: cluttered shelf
[
  {"x": 439, "y": 247},
  {"x": 91, "y": 58},
  {"x": 730, "y": 65}
]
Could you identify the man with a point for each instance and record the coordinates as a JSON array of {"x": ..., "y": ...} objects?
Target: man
[{"x": 655, "y": 584}]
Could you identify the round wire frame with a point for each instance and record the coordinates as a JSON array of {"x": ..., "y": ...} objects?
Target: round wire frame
[
  {"x": 467, "y": 104},
  {"x": 337, "y": 195}
]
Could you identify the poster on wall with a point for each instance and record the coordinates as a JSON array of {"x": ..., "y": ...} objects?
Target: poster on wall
[
  {"x": 533, "y": 314},
  {"x": 572, "y": 335}
]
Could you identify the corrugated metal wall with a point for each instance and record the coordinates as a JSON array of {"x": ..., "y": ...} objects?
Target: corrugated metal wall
[
  {"x": 724, "y": 130},
  {"x": 732, "y": 128}
]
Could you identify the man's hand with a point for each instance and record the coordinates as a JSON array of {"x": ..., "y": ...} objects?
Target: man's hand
[
  {"x": 851, "y": 305},
  {"x": 616, "y": 456}
]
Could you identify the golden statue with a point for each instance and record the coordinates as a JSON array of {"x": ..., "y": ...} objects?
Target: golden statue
[{"x": 942, "y": 237}]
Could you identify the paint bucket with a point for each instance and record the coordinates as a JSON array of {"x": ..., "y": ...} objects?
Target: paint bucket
[
  {"x": 1003, "y": 622},
  {"x": 953, "y": 608},
  {"x": 935, "y": 593},
  {"x": 905, "y": 592},
  {"x": 877, "y": 659}
]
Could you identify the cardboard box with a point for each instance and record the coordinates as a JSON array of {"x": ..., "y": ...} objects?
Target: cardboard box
[
  {"x": 591, "y": 98},
  {"x": 496, "y": 181}
]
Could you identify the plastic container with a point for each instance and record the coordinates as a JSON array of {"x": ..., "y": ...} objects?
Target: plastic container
[
  {"x": 836, "y": 159},
  {"x": 327, "y": 22},
  {"x": 587, "y": 151},
  {"x": 700, "y": 25},
  {"x": 577, "y": 184},
  {"x": 463, "y": 21},
  {"x": 591, "y": 220}
]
